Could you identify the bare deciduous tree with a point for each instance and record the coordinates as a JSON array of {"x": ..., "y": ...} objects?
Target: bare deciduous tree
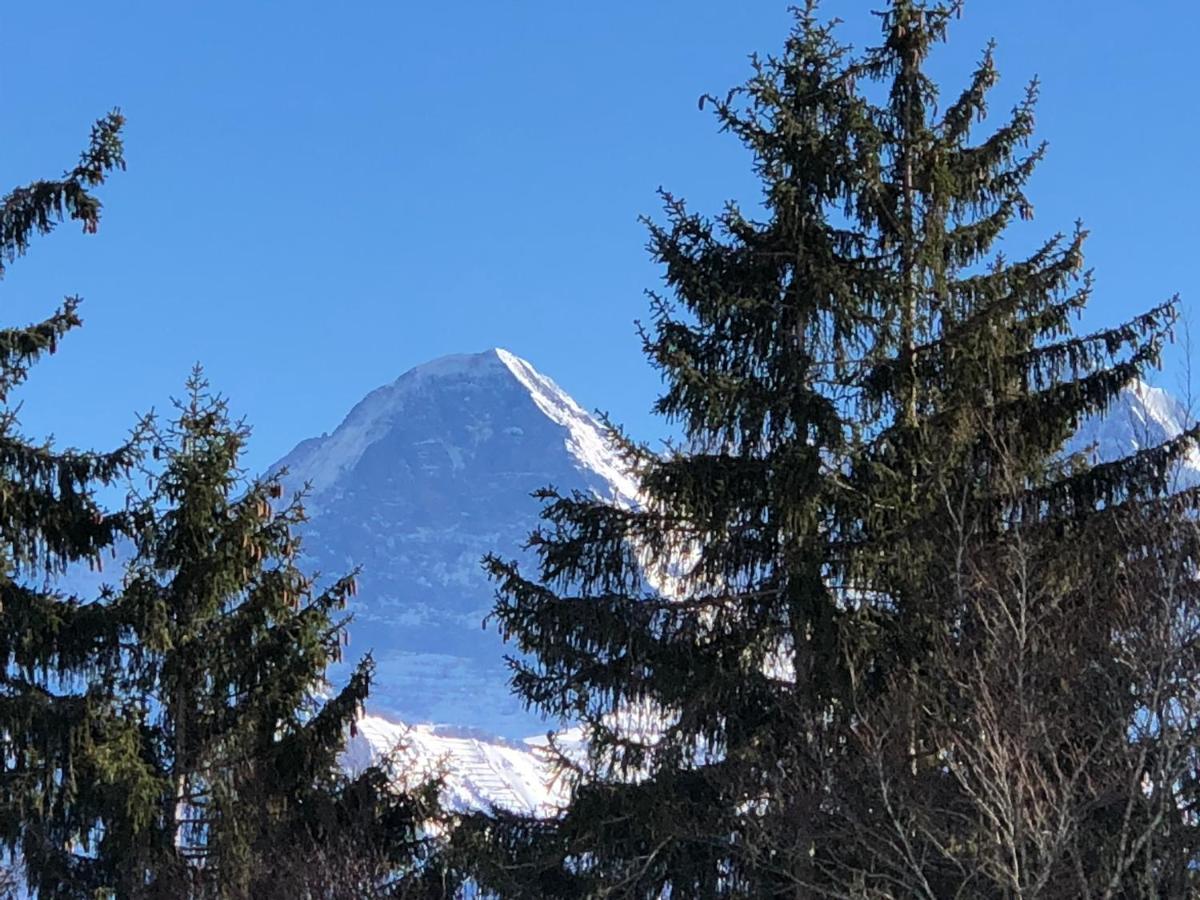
[{"x": 1046, "y": 746}]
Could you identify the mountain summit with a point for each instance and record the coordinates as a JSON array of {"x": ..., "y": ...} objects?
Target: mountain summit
[
  {"x": 429, "y": 473},
  {"x": 421, "y": 479}
]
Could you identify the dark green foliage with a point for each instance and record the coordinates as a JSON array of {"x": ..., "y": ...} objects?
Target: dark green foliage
[
  {"x": 55, "y": 706},
  {"x": 235, "y": 769},
  {"x": 859, "y": 376}
]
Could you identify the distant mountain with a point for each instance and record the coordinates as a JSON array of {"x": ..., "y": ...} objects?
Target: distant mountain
[
  {"x": 432, "y": 471},
  {"x": 478, "y": 770},
  {"x": 424, "y": 477}
]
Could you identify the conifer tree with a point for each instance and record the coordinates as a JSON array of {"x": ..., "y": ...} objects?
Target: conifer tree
[
  {"x": 240, "y": 785},
  {"x": 54, "y": 703},
  {"x": 852, "y": 368}
]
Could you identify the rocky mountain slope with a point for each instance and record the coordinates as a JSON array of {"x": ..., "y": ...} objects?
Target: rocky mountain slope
[{"x": 422, "y": 478}]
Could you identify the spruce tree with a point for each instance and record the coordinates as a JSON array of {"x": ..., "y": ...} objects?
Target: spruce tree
[
  {"x": 55, "y": 705},
  {"x": 240, "y": 786},
  {"x": 853, "y": 367}
]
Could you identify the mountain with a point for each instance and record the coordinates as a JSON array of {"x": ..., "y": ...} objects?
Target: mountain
[
  {"x": 429, "y": 473},
  {"x": 422, "y": 478},
  {"x": 478, "y": 770}
]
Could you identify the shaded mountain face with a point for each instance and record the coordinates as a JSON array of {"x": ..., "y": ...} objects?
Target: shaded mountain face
[{"x": 424, "y": 477}]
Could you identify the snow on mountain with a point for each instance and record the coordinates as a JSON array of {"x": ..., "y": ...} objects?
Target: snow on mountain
[
  {"x": 422, "y": 478},
  {"x": 429, "y": 473}
]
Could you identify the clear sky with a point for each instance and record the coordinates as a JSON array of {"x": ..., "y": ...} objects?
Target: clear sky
[{"x": 321, "y": 195}]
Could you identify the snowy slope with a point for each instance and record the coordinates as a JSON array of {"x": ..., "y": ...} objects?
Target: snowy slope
[
  {"x": 422, "y": 478},
  {"x": 478, "y": 771}
]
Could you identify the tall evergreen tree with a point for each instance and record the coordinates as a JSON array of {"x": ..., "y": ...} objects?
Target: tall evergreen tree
[
  {"x": 238, "y": 786},
  {"x": 54, "y": 706},
  {"x": 852, "y": 368}
]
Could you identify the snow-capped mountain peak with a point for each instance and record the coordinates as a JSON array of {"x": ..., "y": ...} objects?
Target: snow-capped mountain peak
[
  {"x": 422, "y": 478},
  {"x": 1142, "y": 416},
  {"x": 585, "y": 441}
]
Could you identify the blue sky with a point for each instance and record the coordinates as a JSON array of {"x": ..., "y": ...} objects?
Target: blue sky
[{"x": 322, "y": 195}]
